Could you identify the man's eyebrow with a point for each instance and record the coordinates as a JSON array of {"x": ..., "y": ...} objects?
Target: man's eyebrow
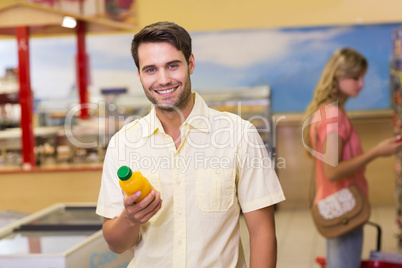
[
  {"x": 174, "y": 61},
  {"x": 147, "y": 67},
  {"x": 154, "y": 66}
]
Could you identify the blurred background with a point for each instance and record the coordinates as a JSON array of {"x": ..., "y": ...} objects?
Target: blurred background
[{"x": 65, "y": 89}]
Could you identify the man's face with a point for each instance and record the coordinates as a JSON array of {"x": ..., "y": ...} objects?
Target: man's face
[{"x": 165, "y": 75}]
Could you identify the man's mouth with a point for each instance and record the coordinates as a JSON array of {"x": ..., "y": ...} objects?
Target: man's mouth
[{"x": 162, "y": 92}]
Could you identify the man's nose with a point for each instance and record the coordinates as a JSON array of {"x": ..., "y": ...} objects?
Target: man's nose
[{"x": 164, "y": 77}]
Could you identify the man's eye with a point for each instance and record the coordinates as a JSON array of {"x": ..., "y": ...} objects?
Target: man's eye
[
  {"x": 172, "y": 66},
  {"x": 150, "y": 70}
]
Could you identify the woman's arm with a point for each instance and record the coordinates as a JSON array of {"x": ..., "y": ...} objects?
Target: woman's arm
[{"x": 333, "y": 154}]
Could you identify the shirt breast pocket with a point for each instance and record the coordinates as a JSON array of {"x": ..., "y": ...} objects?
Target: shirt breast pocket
[{"x": 215, "y": 189}]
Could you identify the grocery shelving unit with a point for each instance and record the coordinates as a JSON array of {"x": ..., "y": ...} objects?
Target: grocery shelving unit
[
  {"x": 23, "y": 20},
  {"x": 396, "y": 93}
]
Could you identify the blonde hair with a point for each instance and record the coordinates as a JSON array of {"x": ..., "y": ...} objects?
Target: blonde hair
[{"x": 344, "y": 63}]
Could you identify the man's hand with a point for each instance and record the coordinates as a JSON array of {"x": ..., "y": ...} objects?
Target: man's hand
[
  {"x": 141, "y": 212},
  {"x": 122, "y": 233}
]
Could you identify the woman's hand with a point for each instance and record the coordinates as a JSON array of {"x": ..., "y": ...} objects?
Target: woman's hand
[{"x": 388, "y": 146}]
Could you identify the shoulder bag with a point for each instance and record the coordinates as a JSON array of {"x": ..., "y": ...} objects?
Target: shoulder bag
[{"x": 342, "y": 211}]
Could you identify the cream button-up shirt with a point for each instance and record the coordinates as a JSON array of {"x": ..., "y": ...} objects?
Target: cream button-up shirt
[{"x": 220, "y": 169}]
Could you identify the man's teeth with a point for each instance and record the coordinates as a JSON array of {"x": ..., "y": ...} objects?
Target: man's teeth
[{"x": 166, "y": 91}]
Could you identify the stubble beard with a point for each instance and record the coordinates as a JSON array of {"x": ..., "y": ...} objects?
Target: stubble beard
[{"x": 180, "y": 103}]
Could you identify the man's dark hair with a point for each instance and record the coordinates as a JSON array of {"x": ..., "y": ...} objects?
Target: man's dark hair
[{"x": 160, "y": 32}]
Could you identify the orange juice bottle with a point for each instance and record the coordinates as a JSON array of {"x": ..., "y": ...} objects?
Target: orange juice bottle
[{"x": 132, "y": 182}]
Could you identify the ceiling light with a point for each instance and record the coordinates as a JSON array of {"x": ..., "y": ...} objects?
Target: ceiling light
[{"x": 69, "y": 22}]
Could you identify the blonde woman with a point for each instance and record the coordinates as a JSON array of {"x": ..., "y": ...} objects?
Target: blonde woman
[{"x": 335, "y": 145}]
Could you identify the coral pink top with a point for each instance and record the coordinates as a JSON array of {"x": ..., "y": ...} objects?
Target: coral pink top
[{"x": 331, "y": 118}]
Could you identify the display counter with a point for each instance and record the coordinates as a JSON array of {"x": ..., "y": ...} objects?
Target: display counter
[
  {"x": 30, "y": 192},
  {"x": 60, "y": 236},
  {"x": 11, "y": 169}
]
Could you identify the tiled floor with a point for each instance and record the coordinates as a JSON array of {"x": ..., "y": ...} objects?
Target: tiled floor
[{"x": 299, "y": 243}]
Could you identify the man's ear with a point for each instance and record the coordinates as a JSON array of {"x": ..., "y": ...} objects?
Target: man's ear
[
  {"x": 191, "y": 63},
  {"x": 138, "y": 73}
]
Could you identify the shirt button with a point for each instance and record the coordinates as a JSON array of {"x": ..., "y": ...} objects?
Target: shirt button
[
  {"x": 178, "y": 182},
  {"x": 179, "y": 242},
  {"x": 179, "y": 212},
  {"x": 217, "y": 171}
]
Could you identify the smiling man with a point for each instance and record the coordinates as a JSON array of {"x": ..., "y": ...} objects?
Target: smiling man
[{"x": 206, "y": 165}]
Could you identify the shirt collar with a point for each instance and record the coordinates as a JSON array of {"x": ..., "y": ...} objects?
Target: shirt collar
[
  {"x": 151, "y": 123},
  {"x": 198, "y": 118}
]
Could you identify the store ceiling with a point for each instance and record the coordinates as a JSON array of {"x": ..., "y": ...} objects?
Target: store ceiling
[{"x": 44, "y": 21}]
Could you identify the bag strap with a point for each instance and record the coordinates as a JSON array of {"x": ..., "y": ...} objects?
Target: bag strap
[
  {"x": 313, "y": 188},
  {"x": 351, "y": 156},
  {"x": 313, "y": 174}
]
